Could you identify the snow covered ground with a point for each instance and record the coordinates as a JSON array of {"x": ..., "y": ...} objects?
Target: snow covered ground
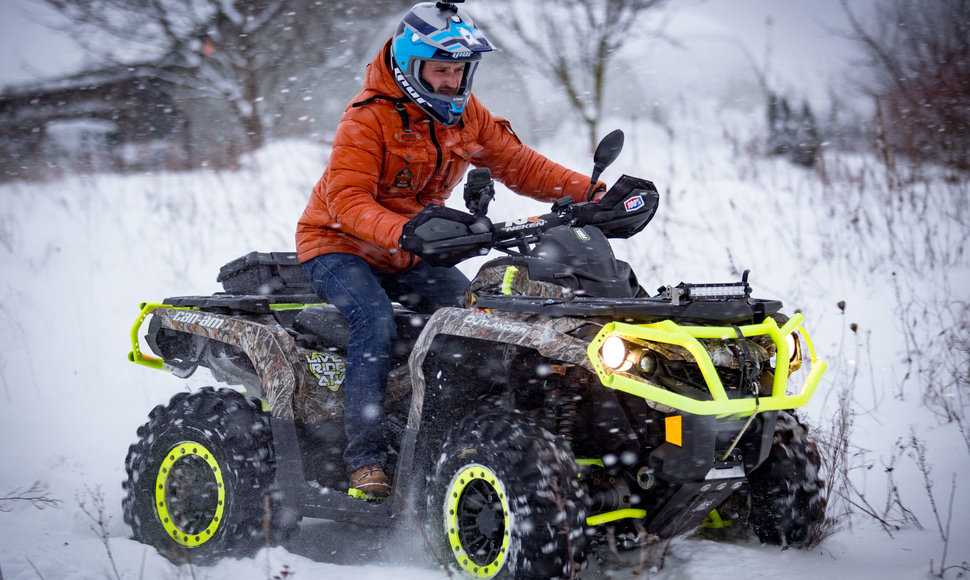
[{"x": 78, "y": 255}]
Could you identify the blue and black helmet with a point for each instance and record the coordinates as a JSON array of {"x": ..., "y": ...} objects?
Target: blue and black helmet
[{"x": 436, "y": 32}]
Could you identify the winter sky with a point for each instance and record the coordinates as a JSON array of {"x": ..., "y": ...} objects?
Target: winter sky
[{"x": 801, "y": 38}]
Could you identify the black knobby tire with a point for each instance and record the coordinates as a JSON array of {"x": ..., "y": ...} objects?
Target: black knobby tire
[
  {"x": 504, "y": 500},
  {"x": 787, "y": 504},
  {"x": 200, "y": 479}
]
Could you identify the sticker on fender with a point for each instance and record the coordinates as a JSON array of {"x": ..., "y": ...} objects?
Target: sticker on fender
[{"x": 328, "y": 369}]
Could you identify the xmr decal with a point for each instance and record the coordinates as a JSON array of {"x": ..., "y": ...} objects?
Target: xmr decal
[
  {"x": 633, "y": 204},
  {"x": 581, "y": 234},
  {"x": 328, "y": 369}
]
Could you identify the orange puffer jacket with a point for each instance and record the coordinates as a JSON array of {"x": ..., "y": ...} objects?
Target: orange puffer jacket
[{"x": 390, "y": 160}]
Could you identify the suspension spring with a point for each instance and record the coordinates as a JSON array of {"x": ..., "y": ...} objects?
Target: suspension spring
[{"x": 565, "y": 395}]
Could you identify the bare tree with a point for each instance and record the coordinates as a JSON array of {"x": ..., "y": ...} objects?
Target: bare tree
[
  {"x": 36, "y": 495},
  {"x": 570, "y": 42},
  {"x": 251, "y": 55},
  {"x": 919, "y": 54}
]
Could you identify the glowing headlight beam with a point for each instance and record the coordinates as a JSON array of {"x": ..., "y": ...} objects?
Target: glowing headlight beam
[
  {"x": 792, "y": 341},
  {"x": 613, "y": 352}
]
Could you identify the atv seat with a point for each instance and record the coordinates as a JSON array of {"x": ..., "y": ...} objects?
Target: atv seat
[{"x": 331, "y": 329}]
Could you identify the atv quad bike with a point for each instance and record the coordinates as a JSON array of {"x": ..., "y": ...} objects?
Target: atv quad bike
[{"x": 561, "y": 401}]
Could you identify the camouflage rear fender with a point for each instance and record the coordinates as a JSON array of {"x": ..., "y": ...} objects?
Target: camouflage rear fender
[
  {"x": 546, "y": 335},
  {"x": 292, "y": 378}
]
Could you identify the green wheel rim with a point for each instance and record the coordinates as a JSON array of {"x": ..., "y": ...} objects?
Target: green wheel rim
[
  {"x": 478, "y": 520},
  {"x": 190, "y": 494}
]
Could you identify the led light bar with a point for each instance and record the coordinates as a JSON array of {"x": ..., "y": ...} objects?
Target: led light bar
[
  {"x": 694, "y": 292},
  {"x": 717, "y": 291}
]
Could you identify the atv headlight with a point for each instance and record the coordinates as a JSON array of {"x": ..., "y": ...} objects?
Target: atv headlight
[
  {"x": 794, "y": 352},
  {"x": 646, "y": 366},
  {"x": 613, "y": 352}
]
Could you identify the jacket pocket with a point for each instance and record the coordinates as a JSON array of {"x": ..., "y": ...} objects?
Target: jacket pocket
[{"x": 405, "y": 170}]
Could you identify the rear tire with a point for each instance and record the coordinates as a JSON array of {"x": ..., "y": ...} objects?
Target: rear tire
[
  {"x": 504, "y": 500},
  {"x": 200, "y": 479}
]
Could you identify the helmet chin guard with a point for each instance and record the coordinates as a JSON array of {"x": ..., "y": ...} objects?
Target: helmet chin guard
[{"x": 436, "y": 32}]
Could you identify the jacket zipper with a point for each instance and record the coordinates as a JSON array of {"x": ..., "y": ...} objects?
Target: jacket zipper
[{"x": 438, "y": 159}]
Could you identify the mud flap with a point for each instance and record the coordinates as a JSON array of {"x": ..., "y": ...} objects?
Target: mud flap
[{"x": 289, "y": 465}]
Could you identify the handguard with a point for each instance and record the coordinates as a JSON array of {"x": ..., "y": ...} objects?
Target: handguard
[
  {"x": 443, "y": 236},
  {"x": 623, "y": 211}
]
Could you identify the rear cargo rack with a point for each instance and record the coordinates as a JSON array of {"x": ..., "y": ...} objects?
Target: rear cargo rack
[{"x": 265, "y": 273}]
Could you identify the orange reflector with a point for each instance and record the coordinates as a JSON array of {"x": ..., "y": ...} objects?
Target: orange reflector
[{"x": 674, "y": 425}]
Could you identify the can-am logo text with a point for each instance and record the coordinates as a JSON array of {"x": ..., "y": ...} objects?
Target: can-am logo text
[{"x": 205, "y": 320}]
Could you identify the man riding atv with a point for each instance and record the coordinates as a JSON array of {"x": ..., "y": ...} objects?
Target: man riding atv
[{"x": 402, "y": 144}]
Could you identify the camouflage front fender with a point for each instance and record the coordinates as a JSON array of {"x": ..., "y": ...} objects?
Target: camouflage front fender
[{"x": 546, "y": 335}]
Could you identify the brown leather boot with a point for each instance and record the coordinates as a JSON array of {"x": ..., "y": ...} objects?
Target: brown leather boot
[{"x": 370, "y": 482}]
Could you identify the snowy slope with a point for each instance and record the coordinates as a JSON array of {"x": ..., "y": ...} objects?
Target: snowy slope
[{"x": 79, "y": 254}]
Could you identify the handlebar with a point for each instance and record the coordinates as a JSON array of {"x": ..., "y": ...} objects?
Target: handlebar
[{"x": 443, "y": 236}]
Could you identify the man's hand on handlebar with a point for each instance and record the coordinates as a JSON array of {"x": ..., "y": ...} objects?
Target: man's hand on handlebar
[{"x": 599, "y": 192}]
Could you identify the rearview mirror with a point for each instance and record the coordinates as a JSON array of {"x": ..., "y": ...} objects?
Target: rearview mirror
[
  {"x": 608, "y": 150},
  {"x": 606, "y": 153}
]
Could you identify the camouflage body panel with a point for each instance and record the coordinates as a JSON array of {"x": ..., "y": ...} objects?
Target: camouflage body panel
[
  {"x": 398, "y": 383},
  {"x": 489, "y": 280},
  {"x": 546, "y": 335},
  {"x": 297, "y": 383}
]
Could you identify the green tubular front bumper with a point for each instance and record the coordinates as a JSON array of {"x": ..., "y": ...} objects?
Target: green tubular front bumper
[{"x": 669, "y": 332}]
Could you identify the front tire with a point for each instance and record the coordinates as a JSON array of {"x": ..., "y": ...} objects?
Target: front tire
[
  {"x": 200, "y": 478},
  {"x": 787, "y": 504},
  {"x": 504, "y": 501}
]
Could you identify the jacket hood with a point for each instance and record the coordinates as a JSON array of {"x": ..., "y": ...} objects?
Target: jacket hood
[{"x": 379, "y": 77}]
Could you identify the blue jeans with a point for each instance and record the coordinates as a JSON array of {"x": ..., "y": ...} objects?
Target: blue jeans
[{"x": 364, "y": 296}]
